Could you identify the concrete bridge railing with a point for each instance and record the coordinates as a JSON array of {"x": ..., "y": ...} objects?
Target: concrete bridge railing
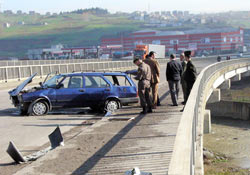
[
  {"x": 47, "y": 62},
  {"x": 17, "y": 73},
  {"x": 187, "y": 158}
]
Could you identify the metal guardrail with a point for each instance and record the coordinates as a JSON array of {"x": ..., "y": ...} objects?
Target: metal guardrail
[
  {"x": 183, "y": 161},
  {"x": 46, "y": 62},
  {"x": 8, "y": 73},
  {"x": 63, "y": 61}
]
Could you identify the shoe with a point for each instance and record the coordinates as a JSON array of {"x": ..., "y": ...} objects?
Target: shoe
[
  {"x": 183, "y": 102},
  {"x": 158, "y": 104},
  {"x": 174, "y": 105},
  {"x": 150, "y": 110},
  {"x": 144, "y": 111}
]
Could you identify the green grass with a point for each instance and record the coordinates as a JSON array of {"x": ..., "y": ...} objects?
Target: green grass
[{"x": 70, "y": 29}]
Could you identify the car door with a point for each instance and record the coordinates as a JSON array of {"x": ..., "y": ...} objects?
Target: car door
[
  {"x": 97, "y": 89},
  {"x": 71, "y": 92},
  {"x": 122, "y": 86}
]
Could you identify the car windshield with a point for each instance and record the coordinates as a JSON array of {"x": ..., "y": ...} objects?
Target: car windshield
[{"x": 51, "y": 83}]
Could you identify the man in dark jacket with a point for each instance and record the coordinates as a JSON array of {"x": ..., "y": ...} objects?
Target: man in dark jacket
[
  {"x": 190, "y": 73},
  {"x": 183, "y": 82},
  {"x": 173, "y": 74}
]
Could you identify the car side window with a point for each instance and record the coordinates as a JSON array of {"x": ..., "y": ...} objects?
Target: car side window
[
  {"x": 65, "y": 82},
  {"x": 95, "y": 82},
  {"x": 118, "y": 80},
  {"x": 75, "y": 82}
]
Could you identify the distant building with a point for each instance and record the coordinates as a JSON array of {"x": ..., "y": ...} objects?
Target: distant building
[
  {"x": 32, "y": 12},
  {"x": 8, "y": 12},
  {"x": 19, "y": 12},
  {"x": 45, "y": 23},
  {"x": 211, "y": 40},
  {"x": 48, "y": 14},
  {"x": 60, "y": 52},
  {"x": 21, "y": 23},
  {"x": 186, "y": 13},
  {"x": 6, "y": 25},
  {"x": 175, "y": 13}
]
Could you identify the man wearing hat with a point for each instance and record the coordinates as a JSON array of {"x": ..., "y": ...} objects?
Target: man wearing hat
[
  {"x": 155, "y": 80},
  {"x": 190, "y": 73},
  {"x": 183, "y": 82},
  {"x": 173, "y": 75},
  {"x": 144, "y": 90}
]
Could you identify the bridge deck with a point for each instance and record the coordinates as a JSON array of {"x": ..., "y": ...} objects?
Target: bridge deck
[{"x": 147, "y": 143}]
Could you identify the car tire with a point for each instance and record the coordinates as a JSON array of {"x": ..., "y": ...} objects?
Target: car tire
[
  {"x": 39, "y": 108},
  {"x": 112, "y": 105}
]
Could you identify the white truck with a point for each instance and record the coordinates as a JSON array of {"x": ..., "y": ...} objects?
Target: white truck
[{"x": 142, "y": 50}]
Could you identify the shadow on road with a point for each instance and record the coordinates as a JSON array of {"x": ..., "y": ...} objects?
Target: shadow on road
[{"x": 92, "y": 161}]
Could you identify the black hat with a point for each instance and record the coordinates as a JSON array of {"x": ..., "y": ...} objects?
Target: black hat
[
  {"x": 187, "y": 53},
  {"x": 151, "y": 53}
]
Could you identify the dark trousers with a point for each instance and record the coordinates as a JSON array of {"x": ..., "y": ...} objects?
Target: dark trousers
[
  {"x": 189, "y": 87},
  {"x": 145, "y": 96},
  {"x": 184, "y": 89},
  {"x": 174, "y": 91}
]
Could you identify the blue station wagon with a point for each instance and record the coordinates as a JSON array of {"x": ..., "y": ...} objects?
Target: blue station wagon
[{"x": 98, "y": 90}]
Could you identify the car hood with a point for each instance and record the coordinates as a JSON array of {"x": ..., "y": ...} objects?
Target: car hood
[{"x": 18, "y": 89}]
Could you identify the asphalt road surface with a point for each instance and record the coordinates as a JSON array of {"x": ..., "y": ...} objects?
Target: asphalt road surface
[{"x": 31, "y": 132}]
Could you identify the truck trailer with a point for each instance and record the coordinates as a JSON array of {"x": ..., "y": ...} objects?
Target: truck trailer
[{"x": 142, "y": 50}]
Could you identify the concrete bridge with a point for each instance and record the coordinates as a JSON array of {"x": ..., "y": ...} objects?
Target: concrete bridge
[{"x": 174, "y": 148}]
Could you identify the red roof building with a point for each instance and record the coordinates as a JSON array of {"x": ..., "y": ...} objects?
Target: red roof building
[{"x": 219, "y": 40}]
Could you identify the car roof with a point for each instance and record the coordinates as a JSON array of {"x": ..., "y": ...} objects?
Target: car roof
[{"x": 96, "y": 73}]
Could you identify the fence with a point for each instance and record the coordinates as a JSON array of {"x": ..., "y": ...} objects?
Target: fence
[
  {"x": 47, "y": 62},
  {"x": 10, "y": 73},
  {"x": 187, "y": 155}
]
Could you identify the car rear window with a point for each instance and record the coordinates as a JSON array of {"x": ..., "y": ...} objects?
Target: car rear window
[{"x": 118, "y": 80}]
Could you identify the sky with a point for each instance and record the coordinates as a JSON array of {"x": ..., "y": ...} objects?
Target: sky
[{"x": 195, "y": 6}]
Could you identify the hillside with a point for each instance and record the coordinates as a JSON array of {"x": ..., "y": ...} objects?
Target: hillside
[
  {"x": 27, "y": 32},
  {"x": 86, "y": 29}
]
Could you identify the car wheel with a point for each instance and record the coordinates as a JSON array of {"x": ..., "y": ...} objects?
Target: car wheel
[
  {"x": 40, "y": 108},
  {"x": 112, "y": 106}
]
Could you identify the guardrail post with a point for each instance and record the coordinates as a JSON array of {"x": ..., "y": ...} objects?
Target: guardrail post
[
  {"x": 41, "y": 69},
  {"x": 6, "y": 74},
  {"x": 67, "y": 68},
  {"x": 30, "y": 70},
  {"x": 19, "y": 73}
]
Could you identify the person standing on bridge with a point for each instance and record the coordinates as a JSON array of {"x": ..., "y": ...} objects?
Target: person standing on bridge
[
  {"x": 183, "y": 82},
  {"x": 190, "y": 73},
  {"x": 144, "y": 90},
  {"x": 173, "y": 74},
  {"x": 155, "y": 75}
]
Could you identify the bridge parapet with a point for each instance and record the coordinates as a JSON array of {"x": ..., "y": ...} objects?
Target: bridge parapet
[
  {"x": 14, "y": 73},
  {"x": 187, "y": 158}
]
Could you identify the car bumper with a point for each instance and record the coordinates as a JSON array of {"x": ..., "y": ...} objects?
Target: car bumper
[{"x": 129, "y": 100}]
